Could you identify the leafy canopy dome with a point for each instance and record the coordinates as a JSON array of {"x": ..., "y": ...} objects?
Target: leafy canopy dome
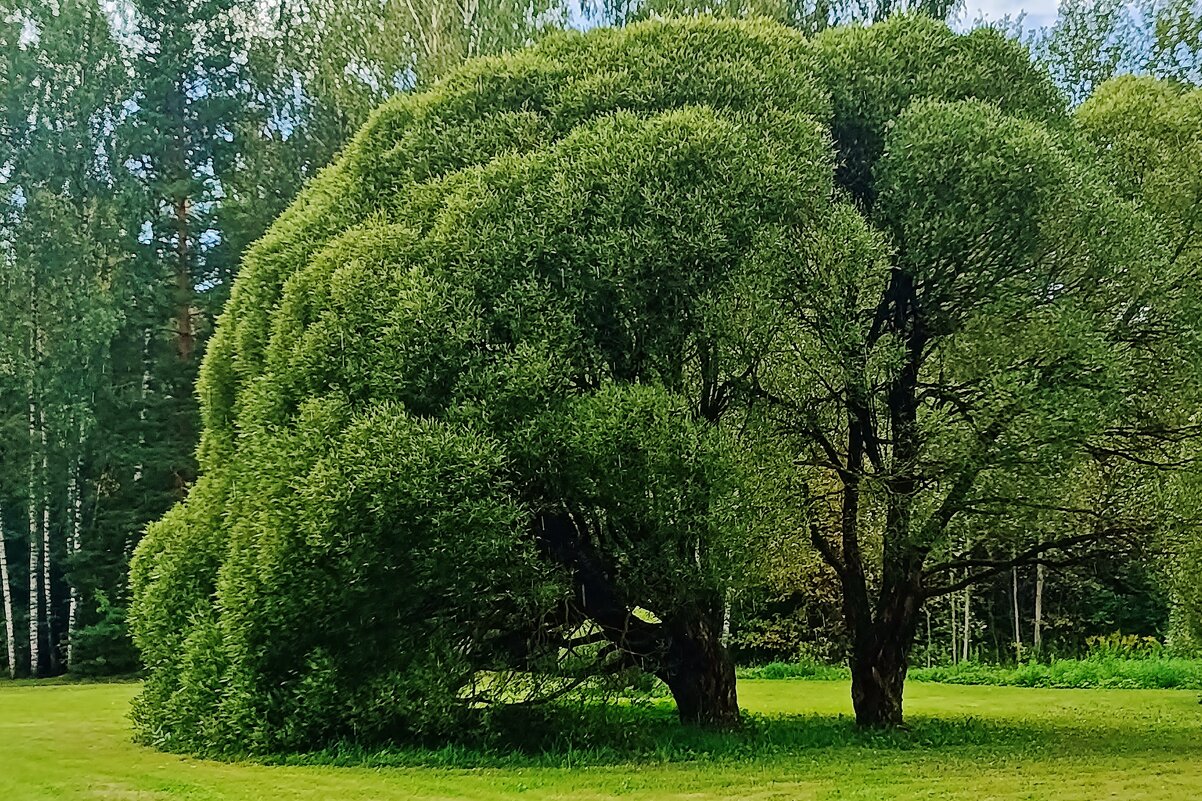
[{"x": 529, "y": 291}]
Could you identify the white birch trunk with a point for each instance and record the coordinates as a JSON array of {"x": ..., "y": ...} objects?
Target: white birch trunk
[
  {"x": 1018, "y": 628},
  {"x": 927, "y": 609},
  {"x": 47, "y": 606},
  {"x": 727, "y": 603},
  {"x": 954, "y": 623},
  {"x": 75, "y": 501},
  {"x": 1037, "y": 644},
  {"x": 10, "y": 637},
  {"x": 34, "y": 541},
  {"x": 966, "y": 640}
]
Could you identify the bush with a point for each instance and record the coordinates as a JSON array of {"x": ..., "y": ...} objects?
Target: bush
[
  {"x": 797, "y": 670},
  {"x": 104, "y": 648}
]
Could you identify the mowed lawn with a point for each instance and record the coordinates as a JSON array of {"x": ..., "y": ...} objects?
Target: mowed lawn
[{"x": 72, "y": 742}]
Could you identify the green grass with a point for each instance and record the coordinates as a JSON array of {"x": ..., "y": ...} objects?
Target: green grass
[{"x": 72, "y": 742}]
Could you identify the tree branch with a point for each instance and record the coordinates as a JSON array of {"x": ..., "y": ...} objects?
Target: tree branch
[
  {"x": 824, "y": 547},
  {"x": 993, "y": 567}
]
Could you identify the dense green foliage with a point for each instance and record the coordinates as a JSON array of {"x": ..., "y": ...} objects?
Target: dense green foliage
[
  {"x": 576, "y": 360},
  {"x": 492, "y": 314},
  {"x": 558, "y": 351}
]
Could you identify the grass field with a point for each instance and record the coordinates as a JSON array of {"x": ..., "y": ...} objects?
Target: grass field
[{"x": 72, "y": 742}]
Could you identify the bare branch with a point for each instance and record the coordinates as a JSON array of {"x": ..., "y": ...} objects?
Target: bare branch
[{"x": 993, "y": 567}]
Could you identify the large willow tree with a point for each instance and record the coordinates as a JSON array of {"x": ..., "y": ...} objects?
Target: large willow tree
[
  {"x": 463, "y": 413},
  {"x": 497, "y": 404}
]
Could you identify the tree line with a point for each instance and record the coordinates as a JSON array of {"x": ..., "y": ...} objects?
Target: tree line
[{"x": 147, "y": 144}]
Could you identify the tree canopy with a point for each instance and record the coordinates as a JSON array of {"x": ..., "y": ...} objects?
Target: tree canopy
[{"x": 460, "y": 410}]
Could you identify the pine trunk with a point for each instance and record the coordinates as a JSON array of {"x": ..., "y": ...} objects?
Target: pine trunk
[{"x": 10, "y": 637}]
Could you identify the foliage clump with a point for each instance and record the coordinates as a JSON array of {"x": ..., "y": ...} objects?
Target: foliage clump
[{"x": 460, "y": 440}]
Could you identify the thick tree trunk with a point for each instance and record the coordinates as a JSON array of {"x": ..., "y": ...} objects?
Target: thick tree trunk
[
  {"x": 878, "y": 677},
  {"x": 880, "y": 655},
  {"x": 685, "y": 652},
  {"x": 10, "y": 637},
  {"x": 700, "y": 675}
]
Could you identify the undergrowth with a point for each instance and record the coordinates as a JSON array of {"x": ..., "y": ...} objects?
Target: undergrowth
[{"x": 1094, "y": 672}]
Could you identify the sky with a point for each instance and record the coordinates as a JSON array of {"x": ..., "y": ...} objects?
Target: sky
[{"x": 1039, "y": 12}]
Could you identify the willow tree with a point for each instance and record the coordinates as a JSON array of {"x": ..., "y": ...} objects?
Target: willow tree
[
  {"x": 1147, "y": 135},
  {"x": 965, "y": 396},
  {"x": 465, "y": 414}
]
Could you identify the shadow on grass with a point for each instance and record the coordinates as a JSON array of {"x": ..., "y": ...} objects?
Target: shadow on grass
[{"x": 598, "y": 736}]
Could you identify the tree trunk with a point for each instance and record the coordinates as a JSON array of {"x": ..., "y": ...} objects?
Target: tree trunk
[
  {"x": 928, "y": 612},
  {"x": 727, "y": 603},
  {"x": 75, "y": 502},
  {"x": 145, "y": 391},
  {"x": 1037, "y": 639},
  {"x": 47, "y": 598},
  {"x": 1018, "y": 629},
  {"x": 684, "y": 652},
  {"x": 953, "y": 622},
  {"x": 878, "y": 677},
  {"x": 880, "y": 654},
  {"x": 34, "y": 543},
  {"x": 700, "y": 675},
  {"x": 186, "y": 333},
  {"x": 967, "y": 618},
  {"x": 9, "y": 630}
]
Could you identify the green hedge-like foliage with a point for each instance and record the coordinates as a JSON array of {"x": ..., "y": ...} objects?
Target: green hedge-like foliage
[{"x": 492, "y": 305}]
